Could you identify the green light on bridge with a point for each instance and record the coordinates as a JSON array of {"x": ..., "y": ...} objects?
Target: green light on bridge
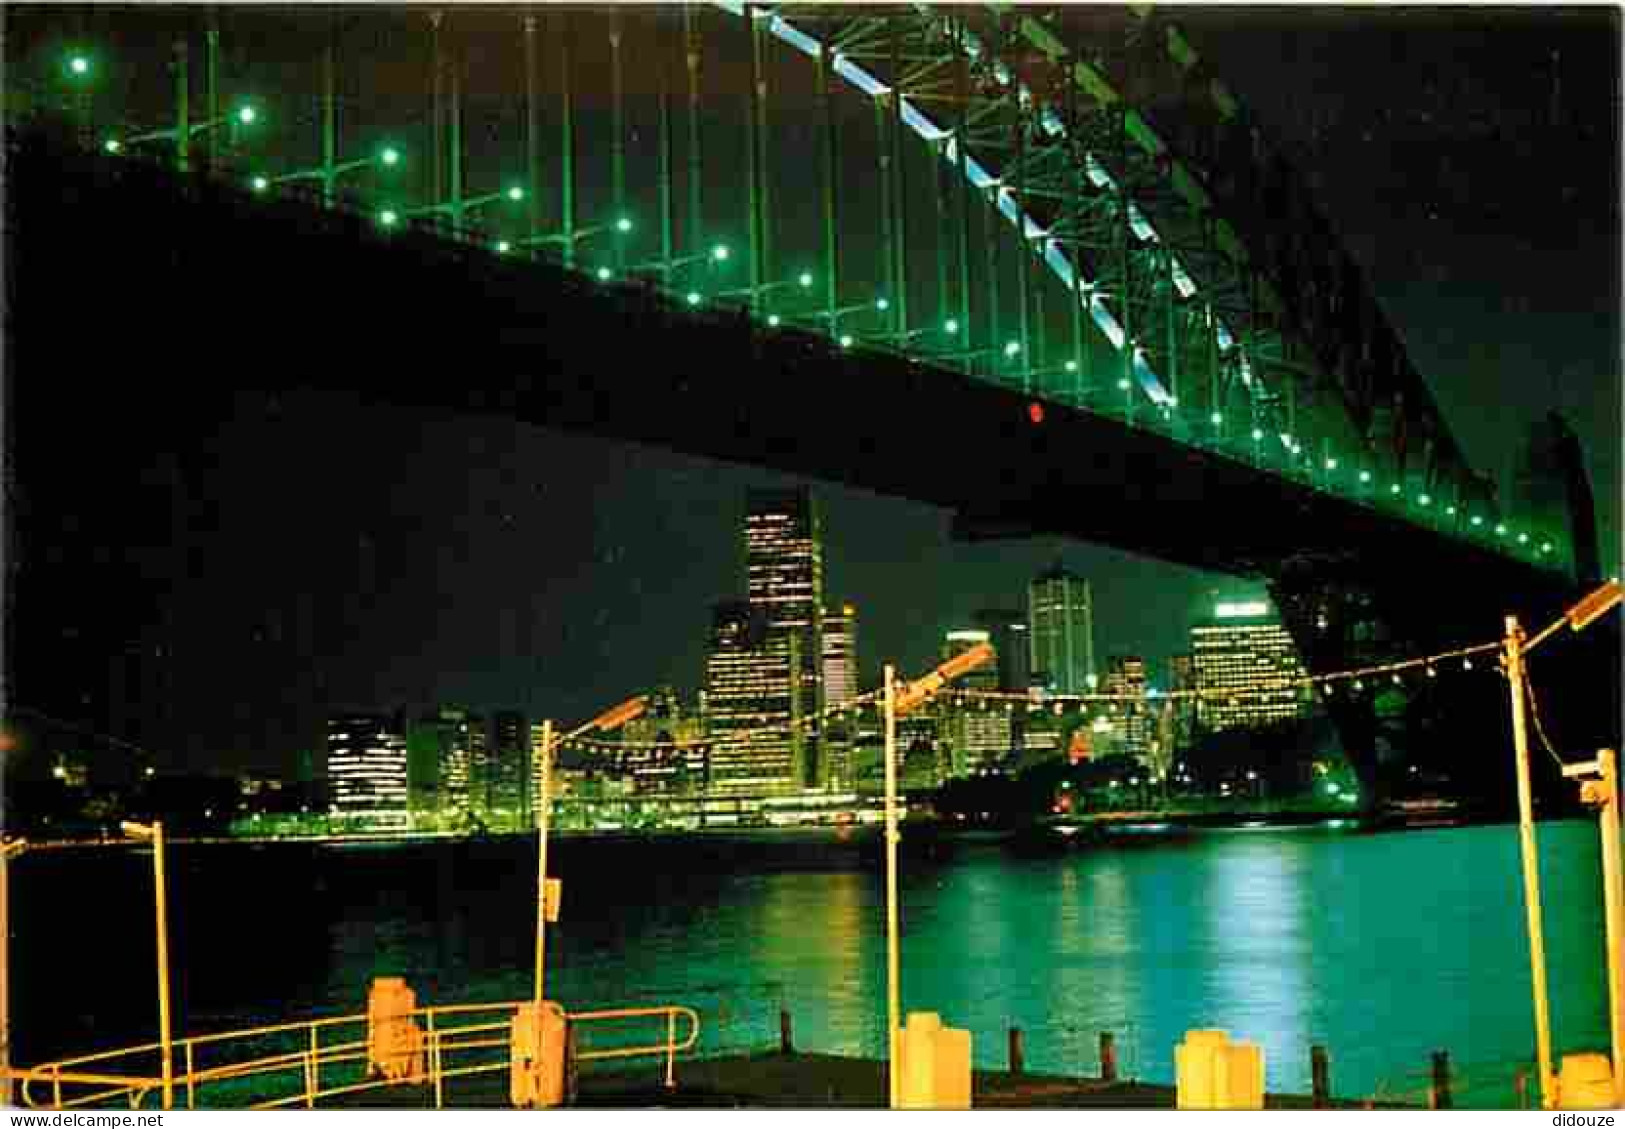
[
  {"x": 1523, "y": 538},
  {"x": 604, "y": 274},
  {"x": 247, "y": 115},
  {"x": 389, "y": 217},
  {"x": 259, "y": 184},
  {"x": 1216, "y": 419},
  {"x": 846, "y": 341},
  {"x": 503, "y": 246},
  {"x": 516, "y": 193},
  {"x": 1011, "y": 348},
  {"x": 1331, "y": 464},
  {"x": 1450, "y": 512},
  {"x": 1258, "y": 434},
  {"x": 1123, "y": 384},
  {"x": 773, "y": 320},
  {"x": 78, "y": 65},
  {"x": 1425, "y": 500},
  {"x": 624, "y": 224},
  {"x": 1545, "y": 546},
  {"x": 1394, "y": 489},
  {"x": 693, "y": 297},
  {"x": 805, "y": 279},
  {"x": 1365, "y": 476},
  {"x": 1477, "y": 520},
  {"x": 1071, "y": 366},
  {"x": 720, "y": 253},
  {"x": 951, "y": 326},
  {"x": 391, "y": 156},
  {"x": 1500, "y": 531},
  {"x": 112, "y": 145},
  {"x": 882, "y": 304}
]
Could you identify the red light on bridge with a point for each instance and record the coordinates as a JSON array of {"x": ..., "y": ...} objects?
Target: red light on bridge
[{"x": 1035, "y": 412}]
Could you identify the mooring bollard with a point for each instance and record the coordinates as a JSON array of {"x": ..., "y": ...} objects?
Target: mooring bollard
[
  {"x": 1439, "y": 1091},
  {"x": 1018, "y": 1058},
  {"x": 787, "y": 1043},
  {"x": 1320, "y": 1073},
  {"x": 1108, "y": 1057}
]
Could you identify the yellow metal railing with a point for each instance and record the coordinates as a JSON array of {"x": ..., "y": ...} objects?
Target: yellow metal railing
[{"x": 322, "y": 1061}]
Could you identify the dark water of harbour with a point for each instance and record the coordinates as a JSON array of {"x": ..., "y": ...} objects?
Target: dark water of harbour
[{"x": 1383, "y": 947}]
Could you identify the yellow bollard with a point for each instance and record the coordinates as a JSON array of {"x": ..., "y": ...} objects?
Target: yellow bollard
[
  {"x": 1211, "y": 1072},
  {"x": 536, "y": 1056},
  {"x": 1585, "y": 1081},
  {"x": 934, "y": 1064}
]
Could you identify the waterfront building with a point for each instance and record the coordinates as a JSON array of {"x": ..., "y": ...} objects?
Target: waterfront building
[
  {"x": 1128, "y": 709},
  {"x": 366, "y": 771},
  {"x": 978, "y": 731},
  {"x": 1061, "y": 629},
  {"x": 503, "y": 773},
  {"x": 1182, "y": 706},
  {"x": 1246, "y": 667},
  {"x": 442, "y": 748},
  {"x": 784, "y": 581},
  {"x": 664, "y": 750},
  {"x": 753, "y": 702},
  {"x": 1007, "y": 630},
  {"x": 840, "y": 688}
]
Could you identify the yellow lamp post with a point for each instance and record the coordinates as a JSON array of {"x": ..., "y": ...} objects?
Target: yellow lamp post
[
  {"x": 9, "y": 848},
  {"x": 154, "y": 833},
  {"x": 898, "y": 700},
  {"x": 610, "y": 719}
]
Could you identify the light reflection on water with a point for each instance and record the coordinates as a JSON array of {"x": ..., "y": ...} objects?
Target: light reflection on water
[{"x": 1382, "y": 947}]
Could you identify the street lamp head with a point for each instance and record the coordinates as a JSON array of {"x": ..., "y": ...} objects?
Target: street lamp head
[{"x": 134, "y": 830}]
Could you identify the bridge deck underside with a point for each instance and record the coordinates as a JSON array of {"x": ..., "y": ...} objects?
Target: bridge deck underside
[{"x": 282, "y": 296}]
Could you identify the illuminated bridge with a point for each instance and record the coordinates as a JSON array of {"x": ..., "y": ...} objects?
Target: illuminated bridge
[{"x": 1037, "y": 266}]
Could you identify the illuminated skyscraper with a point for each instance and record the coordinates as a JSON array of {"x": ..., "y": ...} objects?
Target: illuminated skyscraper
[
  {"x": 1007, "y": 631},
  {"x": 979, "y": 730},
  {"x": 784, "y": 579},
  {"x": 840, "y": 655},
  {"x": 366, "y": 770},
  {"x": 505, "y": 771},
  {"x": 664, "y": 749},
  {"x": 1061, "y": 625},
  {"x": 753, "y": 702},
  {"x": 1125, "y": 681},
  {"x": 1246, "y": 667}
]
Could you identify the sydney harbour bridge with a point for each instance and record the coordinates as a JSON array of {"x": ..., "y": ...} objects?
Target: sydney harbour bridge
[{"x": 1038, "y": 266}]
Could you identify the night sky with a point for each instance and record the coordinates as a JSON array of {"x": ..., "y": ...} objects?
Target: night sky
[{"x": 373, "y": 557}]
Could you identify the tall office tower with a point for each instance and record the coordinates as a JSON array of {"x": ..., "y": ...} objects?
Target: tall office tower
[
  {"x": 753, "y": 699},
  {"x": 1125, "y": 681},
  {"x": 663, "y": 749},
  {"x": 978, "y": 731},
  {"x": 784, "y": 575},
  {"x": 441, "y": 747},
  {"x": 840, "y": 655},
  {"x": 366, "y": 770},
  {"x": 1061, "y": 625},
  {"x": 1247, "y": 668},
  {"x": 508, "y": 777},
  {"x": 1182, "y": 706},
  {"x": 1007, "y": 631},
  {"x": 837, "y": 731}
]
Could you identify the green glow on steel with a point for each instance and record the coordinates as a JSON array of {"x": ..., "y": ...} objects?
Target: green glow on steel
[
  {"x": 1477, "y": 520},
  {"x": 78, "y": 65},
  {"x": 951, "y": 325},
  {"x": 805, "y": 279},
  {"x": 1365, "y": 476},
  {"x": 1500, "y": 531},
  {"x": 1545, "y": 546},
  {"x": 1215, "y": 419},
  {"x": 112, "y": 145},
  {"x": 1523, "y": 538},
  {"x": 390, "y": 155},
  {"x": 604, "y": 274},
  {"x": 846, "y": 341},
  {"x": 1331, "y": 464},
  {"x": 773, "y": 320},
  {"x": 624, "y": 224},
  {"x": 882, "y": 303},
  {"x": 260, "y": 184},
  {"x": 1450, "y": 512},
  {"x": 516, "y": 193},
  {"x": 389, "y": 217},
  {"x": 248, "y": 115},
  {"x": 503, "y": 246},
  {"x": 1011, "y": 348},
  {"x": 1394, "y": 489},
  {"x": 1425, "y": 500},
  {"x": 1258, "y": 433},
  {"x": 1072, "y": 366},
  {"x": 720, "y": 252},
  {"x": 694, "y": 297},
  {"x": 1123, "y": 385}
]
